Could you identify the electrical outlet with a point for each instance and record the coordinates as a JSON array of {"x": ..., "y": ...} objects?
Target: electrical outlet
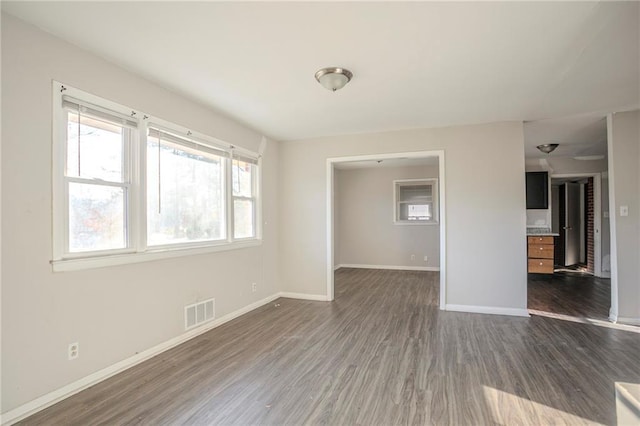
[
  {"x": 426, "y": 258},
  {"x": 254, "y": 287},
  {"x": 74, "y": 351},
  {"x": 413, "y": 257}
]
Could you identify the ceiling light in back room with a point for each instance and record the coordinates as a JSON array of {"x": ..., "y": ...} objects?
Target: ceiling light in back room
[
  {"x": 333, "y": 78},
  {"x": 548, "y": 148}
]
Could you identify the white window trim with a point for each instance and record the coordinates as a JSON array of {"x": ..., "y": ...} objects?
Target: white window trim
[
  {"x": 436, "y": 203},
  {"x": 137, "y": 250},
  {"x": 254, "y": 198}
]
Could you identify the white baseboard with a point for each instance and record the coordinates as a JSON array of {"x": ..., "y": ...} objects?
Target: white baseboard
[
  {"x": 626, "y": 320},
  {"x": 64, "y": 392},
  {"x": 493, "y": 310},
  {"x": 391, "y": 267},
  {"x": 303, "y": 296}
]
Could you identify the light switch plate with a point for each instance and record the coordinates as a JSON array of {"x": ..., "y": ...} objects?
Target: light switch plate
[{"x": 624, "y": 210}]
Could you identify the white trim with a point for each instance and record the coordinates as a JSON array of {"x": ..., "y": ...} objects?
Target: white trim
[
  {"x": 613, "y": 241},
  {"x": 626, "y": 320},
  {"x": 304, "y": 296},
  {"x": 494, "y": 310},
  {"x": 441, "y": 203},
  {"x": 64, "y": 392},
  {"x": 443, "y": 235},
  {"x": 390, "y": 267},
  {"x": 330, "y": 228},
  {"x": 124, "y": 259},
  {"x": 582, "y": 320}
]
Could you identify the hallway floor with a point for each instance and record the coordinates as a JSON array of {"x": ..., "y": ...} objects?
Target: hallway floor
[{"x": 570, "y": 293}]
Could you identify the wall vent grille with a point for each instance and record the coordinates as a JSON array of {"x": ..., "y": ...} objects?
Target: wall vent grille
[{"x": 199, "y": 313}]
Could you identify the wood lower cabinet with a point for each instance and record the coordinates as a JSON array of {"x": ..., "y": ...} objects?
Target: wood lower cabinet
[{"x": 540, "y": 255}]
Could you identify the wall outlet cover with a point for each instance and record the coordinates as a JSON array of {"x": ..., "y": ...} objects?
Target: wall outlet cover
[{"x": 73, "y": 351}]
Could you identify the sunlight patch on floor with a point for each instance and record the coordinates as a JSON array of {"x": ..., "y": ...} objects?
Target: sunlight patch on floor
[
  {"x": 582, "y": 320},
  {"x": 509, "y": 409}
]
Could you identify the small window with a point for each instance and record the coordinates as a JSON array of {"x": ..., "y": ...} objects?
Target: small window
[
  {"x": 244, "y": 197},
  {"x": 416, "y": 201}
]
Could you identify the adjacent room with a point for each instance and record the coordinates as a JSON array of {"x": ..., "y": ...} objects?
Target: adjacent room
[
  {"x": 224, "y": 213},
  {"x": 568, "y": 226}
]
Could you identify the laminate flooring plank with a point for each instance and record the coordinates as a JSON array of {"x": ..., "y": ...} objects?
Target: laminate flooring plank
[
  {"x": 570, "y": 293},
  {"x": 382, "y": 353}
]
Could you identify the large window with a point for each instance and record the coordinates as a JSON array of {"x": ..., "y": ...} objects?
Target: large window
[
  {"x": 132, "y": 185},
  {"x": 185, "y": 191}
]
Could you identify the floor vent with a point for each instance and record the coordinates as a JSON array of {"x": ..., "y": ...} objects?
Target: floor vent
[{"x": 199, "y": 313}]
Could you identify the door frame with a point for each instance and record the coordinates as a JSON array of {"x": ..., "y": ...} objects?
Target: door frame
[
  {"x": 597, "y": 219},
  {"x": 331, "y": 162}
]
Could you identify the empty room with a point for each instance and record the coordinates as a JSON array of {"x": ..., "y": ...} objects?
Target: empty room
[{"x": 377, "y": 213}]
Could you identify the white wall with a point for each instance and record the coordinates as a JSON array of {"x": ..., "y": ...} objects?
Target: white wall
[
  {"x": 624, "y": 181},
  {"x": 366, "y": 233},
  {"x": 485, "y": 202},
  {"x": 112, "y": 312}
]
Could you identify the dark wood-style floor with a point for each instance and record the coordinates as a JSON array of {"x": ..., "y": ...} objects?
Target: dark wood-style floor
[
  {"x": 570, "y": 293},
  {"x": 381, "y": 354}
]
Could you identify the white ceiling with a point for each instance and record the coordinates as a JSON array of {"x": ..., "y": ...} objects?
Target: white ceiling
[
  {"x": 415, "y": 64},
  {"x": 579, "y": 136}
]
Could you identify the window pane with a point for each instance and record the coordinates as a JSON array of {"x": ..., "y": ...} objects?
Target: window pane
[
  {"x": 185, "y": 194},
  {"x": 242, "y": 182},
  {"x": 97, "y": 151},
  {"x": 96, "y": 217},
  {"x": 419, "y": 212},
  {"x": 243, "y": 219}
]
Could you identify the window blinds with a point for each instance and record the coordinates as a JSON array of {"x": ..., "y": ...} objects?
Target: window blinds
[
  {"x": 98, "y": 112},
  {"x": 186, "y": 142}
]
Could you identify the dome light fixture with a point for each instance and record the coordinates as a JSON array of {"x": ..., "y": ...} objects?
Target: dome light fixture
[
  {"x": 334, "y": 78},
  {"x": 548, "y": 148}
]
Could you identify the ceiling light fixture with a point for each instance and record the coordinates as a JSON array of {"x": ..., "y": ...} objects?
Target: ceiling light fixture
[
  {"x": 548, "y": 148},
  {"x": 333, "y": 78}
]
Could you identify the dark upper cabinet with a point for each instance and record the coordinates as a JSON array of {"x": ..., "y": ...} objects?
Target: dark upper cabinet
[{"x": 537, "y": 190}]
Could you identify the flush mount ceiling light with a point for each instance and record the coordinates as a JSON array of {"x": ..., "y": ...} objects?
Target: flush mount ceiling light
[
  {"x": 333, "y": 78},
  {"x": 548, "y": 148}
]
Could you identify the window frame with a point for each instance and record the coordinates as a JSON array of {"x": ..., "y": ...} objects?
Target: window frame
[
  {"x": 137, "y": 249},
  {"x": 433, "y": 182},
  {"x": 253, "y": 198}
]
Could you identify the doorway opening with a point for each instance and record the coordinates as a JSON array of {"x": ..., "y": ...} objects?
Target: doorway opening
[
  {"x": 401, "y": 203},
  {"x": 579, "y": 286}
]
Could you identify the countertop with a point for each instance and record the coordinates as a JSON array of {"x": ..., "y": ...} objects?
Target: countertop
[{"x": 542, "y": 232}]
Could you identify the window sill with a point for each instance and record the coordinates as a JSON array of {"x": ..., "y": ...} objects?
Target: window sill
[
  {"x": 413, "y": 223},
  {"x": 65, "y": 265}
]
